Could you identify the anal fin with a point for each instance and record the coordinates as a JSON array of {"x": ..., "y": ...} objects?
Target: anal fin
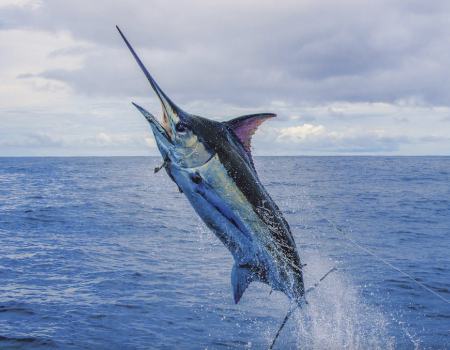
[{"x": 240, "y": 279}]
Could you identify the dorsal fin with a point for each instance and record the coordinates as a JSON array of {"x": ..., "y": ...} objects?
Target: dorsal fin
[
  {"x": 244, "y": 127},
  {"x": 240, "y": 279}
]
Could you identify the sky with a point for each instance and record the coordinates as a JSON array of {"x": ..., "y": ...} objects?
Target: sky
[{"x": 345, "y": 77}]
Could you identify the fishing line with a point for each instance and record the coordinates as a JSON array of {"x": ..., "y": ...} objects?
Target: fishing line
[
  {"x": 379, "y": 258},
  {"x": 369, "y": 252},
  {"x": 295, "y": 307},
  {"x": 281, "y": 327}
]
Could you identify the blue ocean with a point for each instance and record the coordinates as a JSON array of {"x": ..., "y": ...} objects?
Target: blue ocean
[{"x": 101, "y": 253}]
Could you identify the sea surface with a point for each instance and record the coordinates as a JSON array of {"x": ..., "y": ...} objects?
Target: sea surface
[{"x": 100, "y": 253}]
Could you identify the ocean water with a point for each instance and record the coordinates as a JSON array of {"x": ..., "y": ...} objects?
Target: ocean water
[{"x": 100, "y": 253}]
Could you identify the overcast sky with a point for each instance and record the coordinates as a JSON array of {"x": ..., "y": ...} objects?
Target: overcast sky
[{"x": 344, "y": 77}]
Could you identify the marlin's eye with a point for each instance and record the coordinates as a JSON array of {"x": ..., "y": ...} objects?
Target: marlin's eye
[{"x": 181, "y": 126}]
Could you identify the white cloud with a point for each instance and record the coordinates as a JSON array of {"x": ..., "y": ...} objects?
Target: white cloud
[
  {"x": 309, "y": 138},
  {"x": 304, "y": 118},
  {"x": 30, "y": 4},
  {"x": 299, "y": 133}
]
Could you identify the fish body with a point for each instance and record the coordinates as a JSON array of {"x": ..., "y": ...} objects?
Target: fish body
[{"x": 211, "y": 164}]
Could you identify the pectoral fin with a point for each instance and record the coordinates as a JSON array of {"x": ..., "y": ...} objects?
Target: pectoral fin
[{"x": 240, "y": 279}]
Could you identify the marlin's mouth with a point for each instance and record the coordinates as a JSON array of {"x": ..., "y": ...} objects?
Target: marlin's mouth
[{"x": 155, "y": 123}]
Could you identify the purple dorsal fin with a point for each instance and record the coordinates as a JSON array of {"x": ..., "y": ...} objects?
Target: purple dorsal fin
[{"x": 244, "y": 127}]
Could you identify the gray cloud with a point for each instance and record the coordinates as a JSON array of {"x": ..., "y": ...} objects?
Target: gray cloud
[
  {"x": 401, "y": 120},
  {"x": 434, "y": 138},
  {"x": 36, "y": 140},
  {"x": 304, "y": 118},
  {"x": 71, "y": 50},
  {"x": 251, "y": 53},
  {"x": 102, "y": 140},
  {"x": 336, "y": 114}
]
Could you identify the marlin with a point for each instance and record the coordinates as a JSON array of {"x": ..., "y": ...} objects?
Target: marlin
[{"x": 211, "y": 163}]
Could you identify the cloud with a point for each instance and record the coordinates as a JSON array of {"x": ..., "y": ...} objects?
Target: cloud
[
  {"x": 36, "y": 140},
  {"x": 304, "y": 118},
  {"x": 434, "y": 138},
  {"x": 23, "y": 4},
  {"x": 249, "y": 53},
  {"x": 67, "y": 76},
  {"x": 315, "y": 138},
  {"x": 336, "y": 114},
  {"x": 300, "y": 133},
  {"x": 401, "y": 120},
  {"x": 102, "y": 140}
]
